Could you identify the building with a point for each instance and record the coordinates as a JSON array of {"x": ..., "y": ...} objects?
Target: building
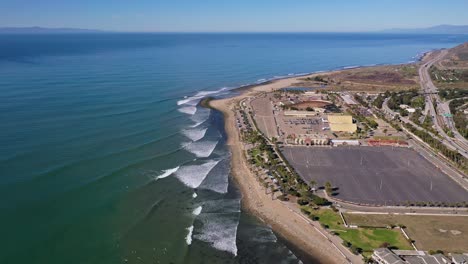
[
  {"x": 307, "y": 139},
  {"x": 427, "y": 259},
  {"x": 386, "y": 256},
  {"x": 342, "y": 123},
  {"x": 344, "y": 142},
  {"x": 300, "y": 113}
]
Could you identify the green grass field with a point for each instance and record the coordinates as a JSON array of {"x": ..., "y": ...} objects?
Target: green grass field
[
  {"x": 367, "y": 239},
  {"x": 447, "y": 233}
]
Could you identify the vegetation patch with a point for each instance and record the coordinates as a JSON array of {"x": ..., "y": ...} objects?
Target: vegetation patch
[
  {"x": 358, "y": 239},
  {"x": 446, "y": 233}
]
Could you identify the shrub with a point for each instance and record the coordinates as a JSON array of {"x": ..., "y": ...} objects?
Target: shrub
[
  {"x": 302, "y": 201},
  {"x": 384, "y": 245},
  {"x": 319, "y": 201},
  {"x": 355, "y": 250},
  {"x": 313, "y": 217}
]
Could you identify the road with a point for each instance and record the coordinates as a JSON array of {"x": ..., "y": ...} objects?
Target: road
[
  {"x": 444, "y": 140},
  {"x": 441, "y": 111},
  {"x": 428, "y": 153}
]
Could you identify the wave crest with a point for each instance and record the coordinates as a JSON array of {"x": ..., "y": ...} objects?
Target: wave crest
[
  {"x": 167, "y": 173},
  {"x": 193, "y": 175}
]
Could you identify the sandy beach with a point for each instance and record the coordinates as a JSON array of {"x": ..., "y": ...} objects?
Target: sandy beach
[{"x": 290, "y": 225}]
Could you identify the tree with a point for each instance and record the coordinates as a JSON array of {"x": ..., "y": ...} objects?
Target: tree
[
  {"x": 274, "y": 140},
  {"x": 313, "y": 183},
  {"x": 328, "y": 187}
]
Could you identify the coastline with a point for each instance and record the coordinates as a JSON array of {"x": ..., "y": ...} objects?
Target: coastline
[
  {"x": 273, "y": 212},
  {"x": 308, "y": 240}
]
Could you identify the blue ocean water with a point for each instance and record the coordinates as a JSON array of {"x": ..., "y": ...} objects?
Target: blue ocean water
[{"x": 105, "y": 156}]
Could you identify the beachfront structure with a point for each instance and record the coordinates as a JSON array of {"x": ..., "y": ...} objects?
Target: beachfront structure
[
  {"x": 386, "y": 256},
  {"x": 307, "y": 139},
  {"x": 344, "y": 142},
  {"x": 342, "y": 123},
  {"x": 299, "y": 113}
]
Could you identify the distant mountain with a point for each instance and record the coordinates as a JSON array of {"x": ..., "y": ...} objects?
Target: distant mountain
[
  {"x": 440, "y": 29},
  {"x": 41, "y": 30}
]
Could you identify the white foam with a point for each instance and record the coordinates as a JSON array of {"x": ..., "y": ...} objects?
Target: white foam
[
  {"x": 218, "y": 180},
  {"x": 188, "y": 238},
  {"x": 221, "y": 206},
  {"x": 193, "y": 100},
  {"x": 263, "y": 235},
  {"x": 202, "y": 149},
  {"x": 220, "y": 231},
  {"x": 201, "y": 115},
  {"x": 189, "y": 110},
  {"x": 167, "y": 173},
  {"x": 193, "y": 175},
  {"x": 197, "y": 210},
  {"x": 195, "y": 134},
  {"x": 194, "y": 195},
  {"x": 197, "y": 124}
]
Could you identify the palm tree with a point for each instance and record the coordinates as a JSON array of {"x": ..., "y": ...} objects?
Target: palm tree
[
  {"x": 312, "y": 183},
  {"x": 328, "y": 187}
]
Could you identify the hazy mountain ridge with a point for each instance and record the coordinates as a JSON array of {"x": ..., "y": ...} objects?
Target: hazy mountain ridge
[
  {"x": 439, "y": 29},
  {"x": 38, "y": 30}
]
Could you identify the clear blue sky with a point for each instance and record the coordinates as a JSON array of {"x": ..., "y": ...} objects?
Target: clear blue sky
[{"x": 233, "y": 15}]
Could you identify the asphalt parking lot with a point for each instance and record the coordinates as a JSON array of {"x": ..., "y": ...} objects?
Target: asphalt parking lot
[{"x": 375, "y": 175}]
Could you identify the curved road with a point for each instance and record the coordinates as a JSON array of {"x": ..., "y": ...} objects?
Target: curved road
[{"x": 441, "y": 120}]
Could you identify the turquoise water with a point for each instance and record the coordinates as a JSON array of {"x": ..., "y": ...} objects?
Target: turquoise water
[{"x": 105, "y": 156}]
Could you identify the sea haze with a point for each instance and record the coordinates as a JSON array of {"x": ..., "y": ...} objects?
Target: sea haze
[{"x": 106, "y": 156}]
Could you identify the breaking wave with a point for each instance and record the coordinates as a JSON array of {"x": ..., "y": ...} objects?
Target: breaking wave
[
  {"x": 221, "y": 206},
  {"x": 193, "y": 100},
  {"x": 188, "y": 238},
  {"x": 197, "y": 210},
  {"x": 219, "y": 230},
  {"x": 167, "y": 173},
  {"x": 195, "y": 134},
  {"x": 201, "y": 115},
  {"x": 189, "y": 110},
  {"x": 218, "y": 180},
  {"x": 201, "y": 149},
  {"x": 193, "y": 175}
]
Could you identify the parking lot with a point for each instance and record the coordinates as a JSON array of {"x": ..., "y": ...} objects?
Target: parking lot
[{"x": 375, "y": 175}]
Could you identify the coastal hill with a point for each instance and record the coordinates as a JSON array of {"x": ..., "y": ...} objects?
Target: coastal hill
[
  {"x": 439, "y": 29},
  {"x": 43, "y": 30}
]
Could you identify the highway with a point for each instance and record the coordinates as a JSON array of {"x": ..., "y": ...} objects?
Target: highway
[
  {"x": 447, "y": 142},
  {"x": 441, "y": 111}
]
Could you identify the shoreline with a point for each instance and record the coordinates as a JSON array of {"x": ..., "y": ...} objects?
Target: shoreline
[
  {"x": 309, "y": 243},
  {"x": 289, "y": 226}
]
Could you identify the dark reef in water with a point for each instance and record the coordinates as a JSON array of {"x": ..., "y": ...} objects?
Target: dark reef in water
[{"x": 205, "y": 102}]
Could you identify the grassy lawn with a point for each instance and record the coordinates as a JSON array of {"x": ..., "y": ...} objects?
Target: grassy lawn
[
  {"x": 447, "y": 233},
  {"x": 365, "y": 238}
]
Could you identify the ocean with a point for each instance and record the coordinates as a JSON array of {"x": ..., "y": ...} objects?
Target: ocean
[{"x": 106, "y": 157}]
